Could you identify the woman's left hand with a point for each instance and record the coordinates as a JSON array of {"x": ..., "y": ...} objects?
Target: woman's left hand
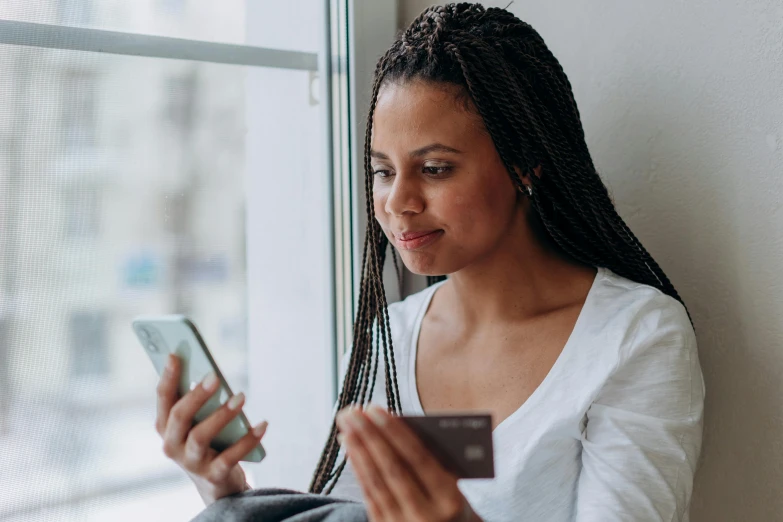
[{"x": 400, "y": 479}]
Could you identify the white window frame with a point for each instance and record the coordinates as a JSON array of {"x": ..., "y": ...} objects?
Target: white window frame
[
  {"x": 359, "y": 32},
  {"x": 374, "y": 24},
  {"x": 53, "y": 36}
]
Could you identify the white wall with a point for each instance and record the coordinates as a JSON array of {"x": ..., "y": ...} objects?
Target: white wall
[{"x": 682, "y": 104}]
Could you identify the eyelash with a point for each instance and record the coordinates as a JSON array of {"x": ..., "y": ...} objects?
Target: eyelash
[{"x": 439, "y": 172}]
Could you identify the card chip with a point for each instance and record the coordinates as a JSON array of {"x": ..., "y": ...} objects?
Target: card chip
[{"x": 474, "y": 452}]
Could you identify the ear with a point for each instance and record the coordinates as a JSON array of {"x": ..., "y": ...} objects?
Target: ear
[
  {"x": 523, "y": 176},
  {"x": 537, "y": 171}
]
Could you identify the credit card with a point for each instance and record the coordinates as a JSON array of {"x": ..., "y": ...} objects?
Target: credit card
[{"x": 461, "y": 443}]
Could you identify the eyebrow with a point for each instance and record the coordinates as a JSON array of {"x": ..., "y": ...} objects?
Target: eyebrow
[{"x": 423, "y": 151}]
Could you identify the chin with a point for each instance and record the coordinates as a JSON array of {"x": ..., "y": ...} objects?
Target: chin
[{"x": 428, "y": 264}]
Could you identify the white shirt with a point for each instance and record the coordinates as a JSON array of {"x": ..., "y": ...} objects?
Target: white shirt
[{"x": 613, "y": 433}]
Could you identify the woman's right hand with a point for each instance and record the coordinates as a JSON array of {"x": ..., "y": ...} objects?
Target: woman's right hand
[{"x": 215, "y": 475}]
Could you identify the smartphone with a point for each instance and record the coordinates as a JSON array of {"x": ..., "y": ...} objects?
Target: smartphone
[
  {"x": 461, "y": 443},
  {"x": 161, "y": 335}
]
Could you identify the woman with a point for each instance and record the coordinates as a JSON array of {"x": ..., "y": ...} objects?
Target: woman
[{"x": 554, "y": 317}]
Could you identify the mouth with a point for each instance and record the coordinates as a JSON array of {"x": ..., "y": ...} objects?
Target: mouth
[{"x": 415, "y": 240}]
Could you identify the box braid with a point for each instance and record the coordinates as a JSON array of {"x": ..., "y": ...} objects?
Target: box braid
[{"x": 521, "y": 92}]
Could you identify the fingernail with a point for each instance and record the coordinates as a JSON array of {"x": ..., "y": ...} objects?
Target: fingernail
[
  {"x": 340, "y": 438},
  {"x": 169, "y": 363},
  {"x": 210, "y": 381},
  {"x": 377, "y": 415},
  {"x": 260, "y": 428},
  {"x": 342, "y": 420},
  {"x": 355, "y": 418},
  {"x": 235, "y": 401}
]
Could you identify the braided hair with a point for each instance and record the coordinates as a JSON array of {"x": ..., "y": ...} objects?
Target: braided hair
[{"x": 527, "y": 105}]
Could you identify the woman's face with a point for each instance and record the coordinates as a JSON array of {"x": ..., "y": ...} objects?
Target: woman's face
[{"x": 440, "y": 191}]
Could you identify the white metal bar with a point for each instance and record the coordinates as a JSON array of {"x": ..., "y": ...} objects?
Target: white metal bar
[{"x": 14, "y": 32}]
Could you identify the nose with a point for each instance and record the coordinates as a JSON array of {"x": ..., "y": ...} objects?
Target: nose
[{"x": 405, "y": 196}]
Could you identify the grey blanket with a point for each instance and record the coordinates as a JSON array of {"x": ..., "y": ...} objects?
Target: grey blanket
[{"x": 281, "y": 505}]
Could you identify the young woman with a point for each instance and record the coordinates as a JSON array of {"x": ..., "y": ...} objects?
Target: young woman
[{"x": 553, "y": 317}]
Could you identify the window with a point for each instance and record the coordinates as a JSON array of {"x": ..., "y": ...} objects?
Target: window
[
  {"x": 145, "y": 174},
  {"x": 81, "y": 211},
  {"x": 5, "y": 377},
  {"x": 171, "y": 6},
  {"x": 181, "y": 96},
  {"x": 75, "y": 12},
  {"x": 78, "y": 92},
  {"x": 88, "y": 344}
]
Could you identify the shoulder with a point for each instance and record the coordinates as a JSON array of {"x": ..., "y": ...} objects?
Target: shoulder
[
  {"x": 640, "y": 313},
  {"x": 405, "y": 318},
  {"x": 405, "y": 315},
  {"x": 642, "y": 436},
  {"x": 655, "y": 359}
]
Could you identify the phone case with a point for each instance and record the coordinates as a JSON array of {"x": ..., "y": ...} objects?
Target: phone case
[{"x": 161, "y": 335}]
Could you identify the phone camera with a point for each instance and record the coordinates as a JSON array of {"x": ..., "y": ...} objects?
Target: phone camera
[{"x": 152, "y": 347}]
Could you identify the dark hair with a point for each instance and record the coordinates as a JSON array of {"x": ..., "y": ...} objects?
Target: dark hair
[{"x": 527, "y": 105}]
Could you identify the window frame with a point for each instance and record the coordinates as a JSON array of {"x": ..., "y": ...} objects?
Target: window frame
[
  {"x": 372, "y": 26},
  {"x": 330, "y": 66}
]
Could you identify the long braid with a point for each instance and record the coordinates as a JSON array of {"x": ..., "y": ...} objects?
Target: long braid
[
  {"x": 378, "y": 254},
  {"x": 526, "y": 102},
  {"x": 371, "y": 321}
]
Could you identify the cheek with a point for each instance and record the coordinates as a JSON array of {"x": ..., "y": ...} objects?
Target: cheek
[
  {"x": 482, "y": 211},
  {"x": 463, "y": 213},
  {"x": 379, "y": 205}
]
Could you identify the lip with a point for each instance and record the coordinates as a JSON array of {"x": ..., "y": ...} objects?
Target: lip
[{"x": 414, "y": 240}]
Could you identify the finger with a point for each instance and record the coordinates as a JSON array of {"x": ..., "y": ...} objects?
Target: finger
[
  {"x": 400, "y": 479},
  {"x": 379, "y": 500},
  {"x": 374, "y": 513},
  {"x": 434, "y": 478},
  {"x": 202, "y": 434},
  {"x": 167, "y": 392},
  {"x": 180, "y": 419},
  {"x": 222, "y": 464},
  {"x": 370, "y": 479}
]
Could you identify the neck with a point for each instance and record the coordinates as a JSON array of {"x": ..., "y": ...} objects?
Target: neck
[{"x": 520, "y": 279}]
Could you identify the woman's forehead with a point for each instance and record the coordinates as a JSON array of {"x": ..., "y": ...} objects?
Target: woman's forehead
[
  {"x": 425, "y": 94},
  {"x": 405, "y": 110}
]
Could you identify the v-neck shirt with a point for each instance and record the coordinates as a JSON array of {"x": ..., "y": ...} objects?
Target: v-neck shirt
[{"x": 613, "y": 432}]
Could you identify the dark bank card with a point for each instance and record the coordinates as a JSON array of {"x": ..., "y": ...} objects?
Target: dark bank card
[{"x": 461, "y": 443}]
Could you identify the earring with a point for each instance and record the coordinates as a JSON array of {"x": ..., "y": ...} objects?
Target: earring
[{"x": 527, "y": 190}]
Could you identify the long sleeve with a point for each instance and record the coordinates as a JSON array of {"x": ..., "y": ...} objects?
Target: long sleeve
[{"x": 642, "y": 439}]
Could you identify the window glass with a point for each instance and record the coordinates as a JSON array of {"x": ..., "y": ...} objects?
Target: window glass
[{"x": 123, "y": 191}]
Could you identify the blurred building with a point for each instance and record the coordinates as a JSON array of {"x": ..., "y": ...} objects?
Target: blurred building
[{"x": 121, "y": 193}]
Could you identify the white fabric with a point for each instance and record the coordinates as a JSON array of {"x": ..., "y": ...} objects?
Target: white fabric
[{"x": 613, "y": 433}]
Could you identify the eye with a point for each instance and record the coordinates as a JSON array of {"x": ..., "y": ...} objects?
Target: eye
[
  {"x": 382, "y": 174},
  {"x": 437, "y": 171}
]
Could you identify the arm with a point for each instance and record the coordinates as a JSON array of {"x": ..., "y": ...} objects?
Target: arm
[{"x": 643, "y": 434}]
